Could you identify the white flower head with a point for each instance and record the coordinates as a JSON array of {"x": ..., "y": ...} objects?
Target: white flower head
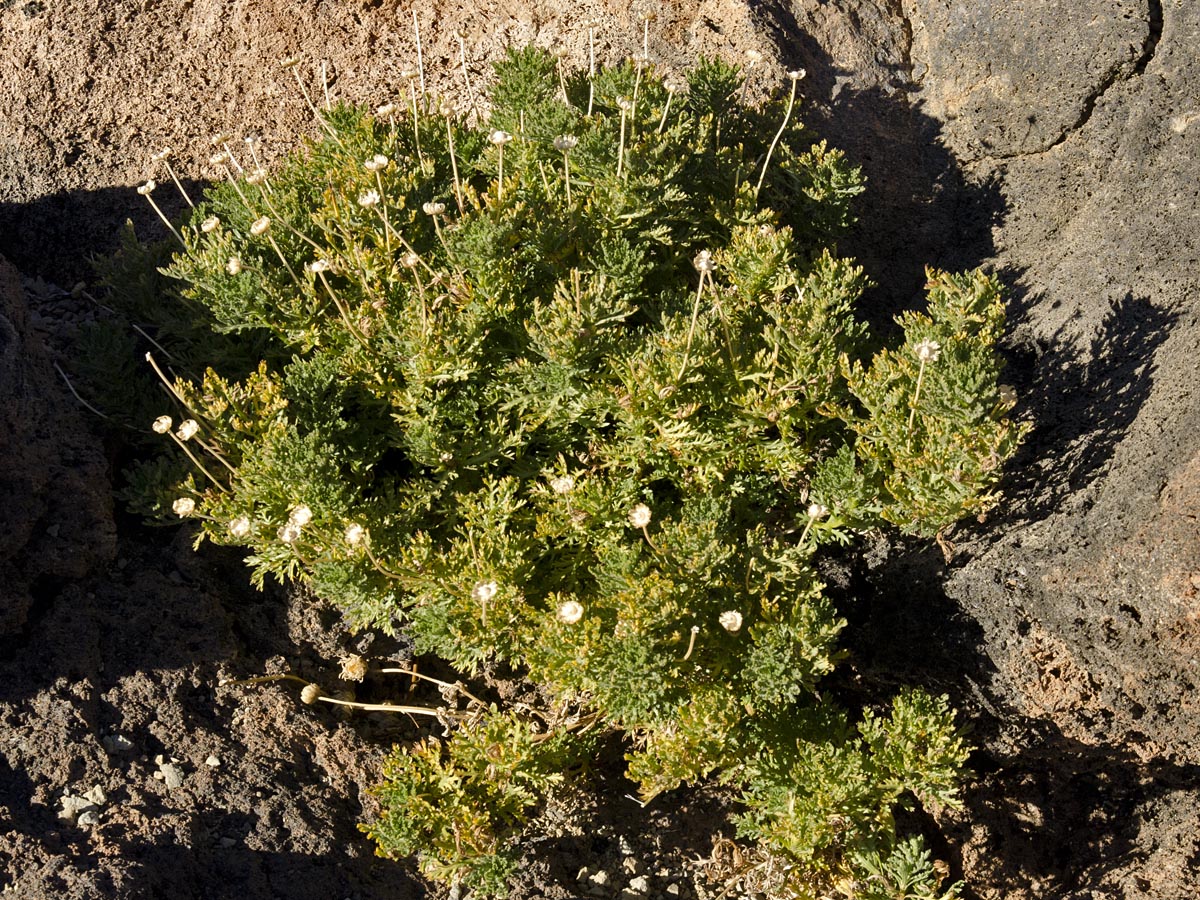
[
  {"x": 240, "y": 527},
  {"x": 928, "y": 350},
  {"x": 300, "y": 516},
  {"x": 146, "y": 188},
  {"x": 817, "y": 511},
  {"x": 162, "y": 425},
  {"x": 376, "y": 163},
  {"x": 188, "y": 429},
  {"x": 564, "y": 143},
  {"x": 221, "y": 137},
  {"x": 257, "y": 176},
  {"x": 704, "y": 261},
  {"x": 321, "y": 264},
  {"x": 386, "y": 109},
  {"x": 355, "y": 534},
  {"x": 499, "y": 138},
  {"x": 234, "y": 266},
  {"x": 289, "y": 533},
  {"x": 563, "y": 484},
  {"x": 184, "y": 506},
  {"x": 485, "y": 591},
  {"x": 639, "y": 516},
  {"x": 433, "y": 208},
  {"x": 212, "y": 223},
  {"x": 368, "y": 199},
  {"x": 570, "y": 612},
  {"x": 260, "y": 226},
  {"x": 753, "y": 57},
  {"x": 624, "y": 103},
  {"x": 796, "y": 74},
  {"x": 219, "y": 159},
  {"x": 409, "y": 260},
  {"x": 731, "y": 620},
  {"x": 310, "y": 694},
  {"x": 164, "y": 153},
  {"x": 289, "y": 62}
]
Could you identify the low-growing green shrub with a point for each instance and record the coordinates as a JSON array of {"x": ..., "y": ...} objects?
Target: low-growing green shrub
[{"x": 583, "y": 392}]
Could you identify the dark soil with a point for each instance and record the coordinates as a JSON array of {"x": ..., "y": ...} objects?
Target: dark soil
[{"x": 1053, "y": 141}]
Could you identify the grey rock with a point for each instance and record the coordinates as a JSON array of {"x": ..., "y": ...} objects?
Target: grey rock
[{"x": 172, "y": 775}]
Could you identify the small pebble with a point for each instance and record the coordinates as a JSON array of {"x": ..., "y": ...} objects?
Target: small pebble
[
  {"x": 599, "y": 878},
  {"x": 228, "y": 842},
  {"x": 213, "y": 761},
  {"x": 172, "y": 776},
  {"x": 631, "y": 864},
  {"x": 158, "y": 776},
  {"x": 640, "y": 885},
  {"x": 87, "y": 818},
  {"x": 673, "y": 890}
]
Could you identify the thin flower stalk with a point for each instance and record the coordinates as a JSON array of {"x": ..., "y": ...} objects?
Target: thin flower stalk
[
  {"x": 165, "y": 156},
  {"x": 591, "y": 27},
  {"x": 795, "y": 77},
  {"x": 625, "y": 106},
  {"x": 293, "y": 64},
  {"x": 704, "y": 265},
  {"x": 325, "y": 85},
  {"x": 145, "y": 190},
  {"x": 412, "y": 94},
  {"x": 691, "y": 642},
  {"x": 458, "y": 197},
  {"x": 344, "y": 312},
  {"x": 420, "y": 57},
  {"x": 199, "y": 465},
  {"x": 927, "y": 351},
  {"x": 462, "y": 58}
]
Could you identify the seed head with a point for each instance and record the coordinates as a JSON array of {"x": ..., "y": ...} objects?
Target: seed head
[
  {"x": 796, "y": 74},
  {"x": 212, "y": 223},
  {"x": 485, "y": 591},
  {"x": 753, "y": 57},
  {"x": 355, "y": 534},
  {"x": 257, "y": 176},
  {"x": 184, "y": 506},
  {"x": 162, "y": 425},
  {"x": 260, "y": 226},
  {"x": 675, "y": 87},
  {"x": 409, "y": 260},
  {"x": 354, "y": 668},
  {"x": 499, "y": 138},
  {"x": 639, "y": 516},
  {"x": 565, "y": 143},
  {"x": 731, "y": 620},
  {"x": 817, "y": 511},
  {"x": 234, "y": 266},
  {"x": 407, "y": 74},
  {"x": 387, "y": 109},
  {"x": 928, "y": 350},
  {"x": 240, "y": 527},
  {"x": 704, "y": 262},
  {"x": 625, "y": 103},
  {"x": 289, "y": 533},
  {"x": 563, "y": 484},
  {"x": 376, "y": 163},
  {"x": 219, "y": 159},
  {"x": 434, "y": 208},
  {"x": 221, "y": 137},
  {"x": 321, "y": 264},
  {"x": 570, "y": 612},
  {"x": 310, "y": 694},
  {"x": 164, "y": 153},
  {"x": 148, "y": 187},
  {"x": 300, "y": 516},
  {"x": 187, "y": 429},
  {"x": 368, "y": 199},
  {"x": 289, "y": 62}
]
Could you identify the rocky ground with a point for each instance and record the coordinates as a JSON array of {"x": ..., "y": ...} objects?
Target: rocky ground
[{"x": 1056, "y": 141}]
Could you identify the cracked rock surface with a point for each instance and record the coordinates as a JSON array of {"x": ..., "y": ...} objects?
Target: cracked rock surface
[{"x": 1057, "y": 141}]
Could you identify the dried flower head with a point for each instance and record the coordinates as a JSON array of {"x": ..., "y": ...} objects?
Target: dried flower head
[
  {"x": 433, "y": 208},
  {"x": 675, "y": 87},
  {"x": 704, "y": 262},
  {"x": 368, "y": 199},
  {"x": 289, "y": 533},
  {"x": 753, "y": 57},
  {"x": 355, "y": 534},
  {"x": 234, "y": 266},
  {"x": 731, "y": 620},
  {"x": 817, "y": 511},
  {"x": 407, "y": 74},
  {"x": 624, "y": 103},
  {"x": 321, "y": 264},
  {"x": 289, "y": 62},
  {"x": 796, "y": 74},
  {"x": 260, "y": 226},
  {"x": 565, "y": 143},
  {"x": 386, "y": 109},
  {"x": 409, "y": 260},
  {"x": 563, "y": 484},
  {"x": 212, "y": 223},
  {"x": 570, "y": 612},
  {"x": 300, "y": 516},
  {"x": 257, "y": 176},
  {"x": 240, "y": 527},
  {"x": 484, "y": 591},
  {"x": 500, "y": 138},
  {"x": 639, "y": 516},
  {"x": 219, "y": 159},
  {"x": 928, "y": 350},
  {"x": 146, "y": 188},
  {"x": 221, "y": 137},
  {"x": 376, "y": 163},
  {"x": 310, "y": 693},
  {"x": 354, "y": 667},
  {"x": 184, "y": 506},
  {"x": 162, "y": 425},
  {"x": 187, "y": 429}
]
